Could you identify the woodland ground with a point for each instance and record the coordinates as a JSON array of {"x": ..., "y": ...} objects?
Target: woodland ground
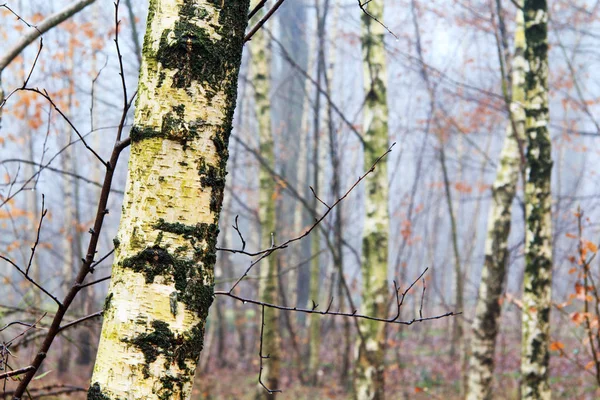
[
  {"x": 425, "y": 371},
  {"x": 419, "y": 366}
]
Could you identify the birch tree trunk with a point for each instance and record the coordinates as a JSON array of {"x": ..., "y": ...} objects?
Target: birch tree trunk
[
  {"x": 537, "y": 279},
  {"x": 260, "y": 77},
  {"x": 493, "y": 275},
  {"x": 70, "y": 228},
  {"x": 162, "y": 279},
  {"x": 369, "y": 380}
]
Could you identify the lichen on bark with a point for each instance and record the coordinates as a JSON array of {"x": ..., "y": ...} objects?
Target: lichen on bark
[
  {"x": 162, "y": 280},
  {"x": 369, "y": 370},
  {"x": 487, "y": 312},
  {"x": 537, "y": 279}
]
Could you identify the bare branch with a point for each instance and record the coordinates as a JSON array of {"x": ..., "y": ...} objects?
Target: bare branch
[
  {"x": 256, "y": 9},
  {"x": 237, "y": 229},
  {"x": 362, "y": 5},
  {"x": 260, "y": 23},
  {"x": 15, "y": 372},
  {"x": 265, "y": 253},
  {"x": 354, "y": 313},
  {"x": 26, "y": 276},
  {"x": 37, "y": 238},
  {"x": 80, "y": 320}
]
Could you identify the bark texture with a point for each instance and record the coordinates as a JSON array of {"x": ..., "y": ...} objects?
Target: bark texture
[
  {"x": 369, "y": 380},
  {"x": 162, "y": 280},
  {"x": 493, "y": 275},
  {"x": 537, "y": 279}
]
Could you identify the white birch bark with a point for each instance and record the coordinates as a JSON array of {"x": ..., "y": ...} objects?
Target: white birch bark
[
  {"x": 162, "y": 280},
  {"x": 487, "y": 313},
  {"x": 369, "y": 373},
  {"x": 537, "y": 279}
]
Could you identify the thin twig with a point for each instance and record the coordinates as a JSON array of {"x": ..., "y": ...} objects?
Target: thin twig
[
  {"x": 265, "y": 253},
  {"x": 317, "y": 197},
  {"x": 47, "y": 293},
  {"x": 15, "y": 372},
  {"x": 94, "y": 282},
  {"x": 368, "y": 14},
  {"x": 422, "y": 298},
  {"x": 263, "y": 20},
  {"x": 354, "y": 313},
  {"x": 80, "y": 320},
  {"x": 37, "y": 238},
  {"x": 120, "y": 57},
  {"x": 15, "y": 323},
  {"x": 256, "y": 9},
  {"x": 237, "y": 229}
]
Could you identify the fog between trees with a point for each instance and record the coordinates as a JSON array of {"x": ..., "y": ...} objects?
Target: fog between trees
[{"x": 386, "y": 162}]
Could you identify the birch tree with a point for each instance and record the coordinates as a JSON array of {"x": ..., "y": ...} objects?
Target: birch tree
[
  {"x": 369, "y": 379},
  {"x": 537, "y": 279},
  {"x": 314, "y": 321},
  {"x": 493, "y": 275},
  {"x": 260, "y": 76},
  {"x": 162, "y": 279}
]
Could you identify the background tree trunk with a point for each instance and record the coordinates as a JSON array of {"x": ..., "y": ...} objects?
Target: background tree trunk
[
  {"x": 493, "y": 275},
  {"x": 537, "y": 280},
  {"x": 261, "y": 78},
  {"x": 370, "y": 365}
]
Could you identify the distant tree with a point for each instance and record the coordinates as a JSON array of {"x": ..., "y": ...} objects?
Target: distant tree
[
  {"x": 369, "y": 371},
  {"x": 267, "y": 291},
  {"x": 162, "y": 278},
  {"x": 314, "y": 322},
  {"x": 493, "y": 275}
]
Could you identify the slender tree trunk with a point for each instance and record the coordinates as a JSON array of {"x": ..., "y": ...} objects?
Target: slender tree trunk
[
  {"x": 336, "y": 176},
  {"x": 33, "y": 205},
  {"x": 261, "y": 79},
  {"x": 370, "y": 365},
  {"x": 314, "y": 321},
  {"x": 239, "y": 310},
  {"x": 457, "y": 328},
  {"x": 69, "y": 227},
  {"x": 301, "y": 179},
  {"x": 493, "y": 275},
  {"x": 162, "y": 280},
  {"x": 537, "y": 280},
  {"x": 293, "y": 35},
  {"x": 71, "y": 243},
  {"x": 346, "y": 348},
  {"x": 86, "y": 297}
]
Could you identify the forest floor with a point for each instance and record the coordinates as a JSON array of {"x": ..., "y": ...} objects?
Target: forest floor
[{"x": 419, "y": 364}]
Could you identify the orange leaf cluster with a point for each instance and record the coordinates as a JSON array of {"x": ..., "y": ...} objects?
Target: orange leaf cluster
[
  {"x": 406, "y": 230},
  {"x": 463, "y": 187},
  {"x": 556, "y": 346}
]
